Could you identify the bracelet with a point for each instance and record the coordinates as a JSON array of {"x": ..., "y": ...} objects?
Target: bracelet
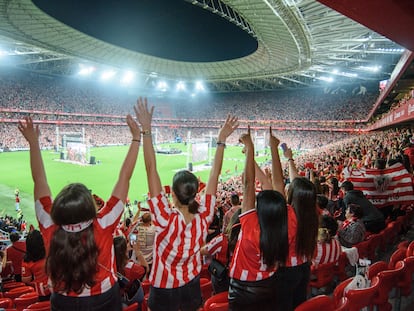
[
  {"x": 290, "y": 159},
  {"x": 137, "y": 140},
  {"x": 146, "y": 133},
  {"x": 220, "y": 143}
]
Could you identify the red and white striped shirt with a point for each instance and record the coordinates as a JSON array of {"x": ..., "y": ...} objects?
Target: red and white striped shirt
[
  {"x": 293, "y": 259},
  {"x": 247, "y": 262},
  {"x": 327, "y": 252},
  {"x": 134, "y": 271},
  {"x": 218, "y": 247},
  {"x": 177, "y": 258},
  {"x": 103, "y": 226}
]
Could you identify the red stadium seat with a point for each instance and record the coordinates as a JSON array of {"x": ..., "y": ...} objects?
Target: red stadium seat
[
  {"x": 39, "y": 306},
  {"x": 321, "y": 302},
  {"x": 410, "y": 249},
  {"x": 358, "y": 298},
  {"x": 217, "y": 302},
  {"x": 389, "y": 279},
  {"x": 18, "y": 291},
  {"x": 206, "y": 288},
  {"x": 25, "y": 300},
  {"x": 6, "y": 303},
  {"x": 324, "y": 275},
  {"x": 398, "y": 255},
  {"x": 340, "y": 268}
]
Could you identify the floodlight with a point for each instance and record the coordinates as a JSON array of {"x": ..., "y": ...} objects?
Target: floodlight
[
  {"x": 370, "y": 68},
  {"x": 162, "y": 86},
  {"x": 107, "y": 75},
  {"x": 327, "y": 79},
  {"x": 180, "y": 86},
  {"x": 86, "y": 70},
  {"x": 127, "y": 78},
  {"x": 199, "y": 86}
]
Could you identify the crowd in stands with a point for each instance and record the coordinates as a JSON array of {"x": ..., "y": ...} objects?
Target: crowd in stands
[{"x": 160, "y": 247}]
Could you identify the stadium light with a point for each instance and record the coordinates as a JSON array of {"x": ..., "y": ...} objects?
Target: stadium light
[
  {"x": 327, "y": 79},
  {"x": 86, "y": 70},
  {"x": 162, "y": 86},
  {"x": 107, "y": 75},
  {"x": 370, "y": 68},
  {"x": 181, "y": 86},
  {"x": 199, "y": 86},
  {"x": 127, "y": 78}
]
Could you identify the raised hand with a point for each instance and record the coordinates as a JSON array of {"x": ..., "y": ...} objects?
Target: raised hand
[
  {"x": 288, "y": 154},
  {"x": 143, "y": 114},
  {"x": 228, "y": 128},
  {"x": 273, "y": 139},
  {"x": 246, "y": 138},
  {"x": 30, "y": 132},
  {"x": 133, "y": 127}
]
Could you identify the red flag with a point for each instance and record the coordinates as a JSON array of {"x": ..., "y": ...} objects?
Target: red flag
[{"x": 383, "y": 187}]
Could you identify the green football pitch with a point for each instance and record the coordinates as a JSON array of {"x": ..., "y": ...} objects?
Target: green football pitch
[{"x": 100, "y": 178}]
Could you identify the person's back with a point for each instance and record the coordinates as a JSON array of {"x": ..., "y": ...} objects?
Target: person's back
[
  {"x": 80, "y": 261},
  {"x": 235, "y": 206},
  {"x": 34, "y": 265},
  {"x": 15, "y": 254},
  {"x": 181, "y": 230},
  {"x": 146, "y": 236}
]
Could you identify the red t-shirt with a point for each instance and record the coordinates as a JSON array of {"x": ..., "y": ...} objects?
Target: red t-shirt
[
  {"x": 247, "y": 262},
  {"x": 15, "y": 254},
  {"x": 104, "y": 226},
  {"x": 293, "y": 259},
  {"x": 37, "y": 271}
]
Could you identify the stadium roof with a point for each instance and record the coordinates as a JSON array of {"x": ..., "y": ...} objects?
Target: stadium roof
[{"x": 300, "y": 43}]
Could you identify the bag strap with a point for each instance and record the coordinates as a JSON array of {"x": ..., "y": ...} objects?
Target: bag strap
[{"x": 117, "y": 275}]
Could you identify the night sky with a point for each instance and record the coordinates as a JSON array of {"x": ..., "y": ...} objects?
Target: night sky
[{"x": 172, "y": 29}]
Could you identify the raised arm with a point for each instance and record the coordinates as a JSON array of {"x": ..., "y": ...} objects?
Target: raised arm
[
  {"x": 229, "y": 126},
  {"x": 265, "y": 179},
  {"x": 293, "y": 172},
  {"x": 277, "y": 173},
  {"x": 144, "y": 116},
  {"x": 122, "y": 185},
  {"x": 31, "y": 134},
  {"x": 249, "y": 190}
]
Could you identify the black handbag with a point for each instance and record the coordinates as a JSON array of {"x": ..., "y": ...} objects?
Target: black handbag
[{"x": 217, "y": 269}]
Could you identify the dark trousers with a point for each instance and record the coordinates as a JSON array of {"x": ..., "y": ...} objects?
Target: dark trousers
[
  {"x": 293, "y": 287},
  {"x": 255, "y": 295},
  {"x": 110, "y": 300},
  {"x": 184, "y": 298}
]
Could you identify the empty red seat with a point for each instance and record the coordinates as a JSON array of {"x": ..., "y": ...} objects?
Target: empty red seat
[
  {"x": 217, "y": 302},
  {"x": 25, "y": 300},
  {"x": 18, "y": 291},
  {"x": 321, "y": 302},
  {"x": 39, "y": 306}
]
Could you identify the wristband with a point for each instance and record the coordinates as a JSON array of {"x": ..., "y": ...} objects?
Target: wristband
[
  {"x": 290, "y": 159},
  {"x": 137, "y": 140},
  {"x": 220, "y": 143},
  {"x": 146, "y": 133}
]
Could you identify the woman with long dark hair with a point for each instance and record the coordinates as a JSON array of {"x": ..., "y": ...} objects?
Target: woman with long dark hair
[
  {"x": 180, "y": 231},
  {"x": 304, "y": 222},
  {"x": 34, "y": 263},
  {"x": 262, "y": 246},
  {"x": 80, "y": 261}
]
